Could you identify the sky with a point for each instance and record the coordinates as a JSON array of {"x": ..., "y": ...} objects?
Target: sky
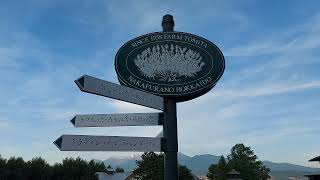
[{"x": 268, "y": 97}]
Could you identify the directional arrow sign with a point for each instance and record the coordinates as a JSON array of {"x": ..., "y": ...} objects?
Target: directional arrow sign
[
  {"x": 107, "y": 120},
  {"x": 107, "y": 143},
  {"x": 104, "y": 88}
]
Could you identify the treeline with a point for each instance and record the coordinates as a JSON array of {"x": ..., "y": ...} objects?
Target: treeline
[{"x": 15, "y": 168}]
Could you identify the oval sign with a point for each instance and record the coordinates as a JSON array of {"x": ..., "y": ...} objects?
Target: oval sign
[{"x": 175, "y": 65}]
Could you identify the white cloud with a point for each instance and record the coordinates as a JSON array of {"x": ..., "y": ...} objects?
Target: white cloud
[
  {"x": 4, "y": 124},
  {"x": 142, "y": 17},
  {"x": 283, "y": 42},
  {"x": 7, "y": 55},
  {"x": 124, "y": 107},
  {"x": 231, "y": 102}
]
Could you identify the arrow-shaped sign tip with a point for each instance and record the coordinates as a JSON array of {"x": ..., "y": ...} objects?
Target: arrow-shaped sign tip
[
  {"x": 73, "y": 121},
  {"x": 58, "y": 142},
  {"x": 80, "y": 82}
]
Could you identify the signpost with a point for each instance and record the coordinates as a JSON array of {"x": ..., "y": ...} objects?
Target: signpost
[
  {"x": 108, "y": 120},
  {"x": 107, "y": 143},
  {"x": 156, "y": 70},
  {"x": 100, "y": 87}
]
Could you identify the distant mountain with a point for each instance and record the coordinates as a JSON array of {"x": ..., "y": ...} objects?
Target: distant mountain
[
  {"x": 127, "y": 163},
  {"x": 282, "y": 175},
  {"x": 286, "y": 170},
  {"x": 199, "y": 165},
  {"x": 288, "y": 167}
]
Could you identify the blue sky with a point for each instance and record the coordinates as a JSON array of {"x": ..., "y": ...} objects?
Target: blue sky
[{"x": 268, "y": 97}]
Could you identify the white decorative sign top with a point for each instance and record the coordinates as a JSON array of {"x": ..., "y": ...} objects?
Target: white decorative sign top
[{"x": 169, "y": 62}]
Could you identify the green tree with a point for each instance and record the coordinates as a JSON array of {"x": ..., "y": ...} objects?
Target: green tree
[
  {"x": 219, "y": 171},
  {"x": 38, "y": 169},
  {"x": 244, "y": 160},
  {"x": 96, "y": 166},
  {"x": 119, "y": 170},
  {"x": 184, "y": 173},
  {"x": 150, "y": 167},
  {"x": 56, "y": 172},
  {"x": 3, "y": 170},
  {"x": 76, "y": 169},
  {"x": 16, "y": 169}
]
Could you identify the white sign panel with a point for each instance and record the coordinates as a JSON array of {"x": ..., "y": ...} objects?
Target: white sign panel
[
  {"x": 104, "y": 88},
  {"x": 107, "y": 143},
  {"x": 107, "y": 120}
]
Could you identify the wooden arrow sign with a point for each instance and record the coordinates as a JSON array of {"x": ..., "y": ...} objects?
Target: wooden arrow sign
[
  {"x": 104, "y": 88},
  {"x": 107, "y": 120},
  {"x": 107, "y": 143}
]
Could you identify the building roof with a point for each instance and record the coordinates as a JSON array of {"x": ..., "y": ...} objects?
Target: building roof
[
  {"x": 110, "y": 169},
  {"x": 115, "y": 176},
  {"x": 195, "y": 177},
  {"x": 315, "y": 159},
  {"x": 233, "y": 172},
  {"x": 131, "y": 176},
  {"x": 312, "y": 175}
]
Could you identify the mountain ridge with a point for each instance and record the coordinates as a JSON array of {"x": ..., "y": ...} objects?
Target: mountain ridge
[{"x": 199, "y": 164}]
